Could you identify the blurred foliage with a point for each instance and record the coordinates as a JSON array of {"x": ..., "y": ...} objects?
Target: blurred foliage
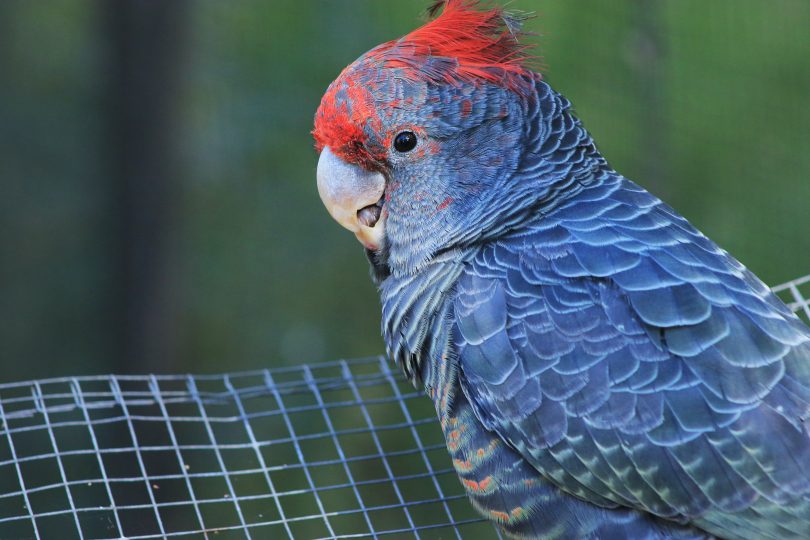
[{"x": 702, "y": 102}]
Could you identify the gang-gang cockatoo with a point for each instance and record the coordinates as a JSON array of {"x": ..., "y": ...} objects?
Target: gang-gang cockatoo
[{"x": 600, "y": 368}]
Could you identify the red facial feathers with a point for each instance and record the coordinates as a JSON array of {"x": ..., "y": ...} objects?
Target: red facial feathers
[
  {"x": 340, "y": 124},
  {"x": 464, "y": 44}
]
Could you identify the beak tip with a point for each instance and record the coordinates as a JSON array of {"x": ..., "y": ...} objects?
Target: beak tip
[{"x": 371, "y": 237}]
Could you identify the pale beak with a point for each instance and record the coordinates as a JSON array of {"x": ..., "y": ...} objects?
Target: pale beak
[{"x": 353, "y": 196}]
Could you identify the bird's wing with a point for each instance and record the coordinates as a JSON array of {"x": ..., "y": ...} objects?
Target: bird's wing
[{"x": 631, "y": 360}]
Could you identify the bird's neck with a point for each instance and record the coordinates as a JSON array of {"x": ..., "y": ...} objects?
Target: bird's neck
[
  {"x": 416, "y": 318},
  {"x": 561, "y": 159}
]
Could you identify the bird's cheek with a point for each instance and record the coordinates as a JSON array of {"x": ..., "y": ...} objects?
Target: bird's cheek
[{"x": 353, "y": 196}]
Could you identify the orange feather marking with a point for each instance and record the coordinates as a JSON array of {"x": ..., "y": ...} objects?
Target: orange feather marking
[{"x": 478, "y": 487}]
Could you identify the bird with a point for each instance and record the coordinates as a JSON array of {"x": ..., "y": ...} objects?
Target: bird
[{"x": 599, "y": 367}]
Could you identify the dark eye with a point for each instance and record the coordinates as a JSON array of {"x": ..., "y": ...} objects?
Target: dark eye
[{"x": 405, "y": 141}]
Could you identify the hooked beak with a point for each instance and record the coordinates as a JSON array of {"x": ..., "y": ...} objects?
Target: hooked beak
[{"x": 353, "y": 196}]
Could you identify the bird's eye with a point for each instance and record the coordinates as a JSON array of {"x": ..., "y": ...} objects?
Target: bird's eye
[{"x": 405, "y": 141}]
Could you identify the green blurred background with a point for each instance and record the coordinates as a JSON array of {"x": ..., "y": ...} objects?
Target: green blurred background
[{"x": 159, "y": 210}]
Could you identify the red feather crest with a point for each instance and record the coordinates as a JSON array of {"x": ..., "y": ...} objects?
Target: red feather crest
[{"x": 483, "y": 43}]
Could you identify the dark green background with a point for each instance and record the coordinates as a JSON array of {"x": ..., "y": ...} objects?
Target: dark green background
[{"x": 159, "y": 210}]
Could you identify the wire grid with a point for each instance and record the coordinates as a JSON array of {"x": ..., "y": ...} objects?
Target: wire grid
[
  {"x": 337, "y": 450},
  {"x": 344, "y": 449}
]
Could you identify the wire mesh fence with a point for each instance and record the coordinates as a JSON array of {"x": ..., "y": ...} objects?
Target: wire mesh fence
[{"x": 344, "y": 449}]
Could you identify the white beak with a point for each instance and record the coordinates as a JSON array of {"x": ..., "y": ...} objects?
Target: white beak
[{"x": 347, "y": 191}]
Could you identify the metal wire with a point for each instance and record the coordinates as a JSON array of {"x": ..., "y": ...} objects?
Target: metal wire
[{"x": 344, "y": 449}]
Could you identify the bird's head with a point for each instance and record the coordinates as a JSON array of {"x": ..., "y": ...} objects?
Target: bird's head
[{"x": 418, "y": 134}]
